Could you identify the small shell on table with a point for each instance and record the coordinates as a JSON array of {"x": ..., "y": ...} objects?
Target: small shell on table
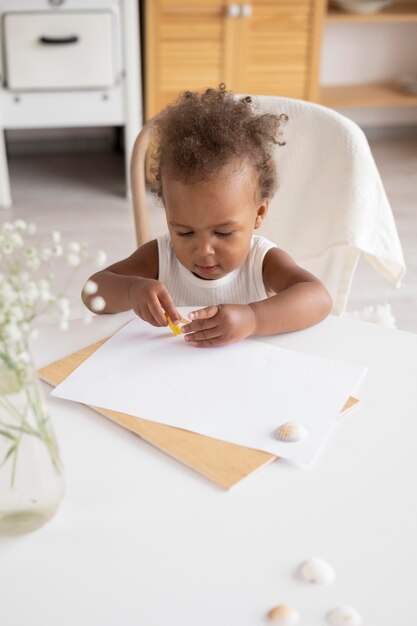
[
  {"x": 290, "y": 431},
  {"x": 344, "y": 616},
  {"x": 283, "y": 614},
  {"x": 317, "y": 571}
]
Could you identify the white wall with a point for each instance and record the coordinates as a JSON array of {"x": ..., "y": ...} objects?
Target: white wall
[{"x": 374, "y": 52}]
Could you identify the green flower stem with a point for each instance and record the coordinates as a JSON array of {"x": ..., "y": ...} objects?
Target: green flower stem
[
  {"x": 27, "y": 430},
  {"x": 15, "y": 451},
  {"x": 6, "y": 434},
  {"x": 9, "y": 406},
  {"x": 28, "y": 385},
  {"x": 37, "y": 408}
]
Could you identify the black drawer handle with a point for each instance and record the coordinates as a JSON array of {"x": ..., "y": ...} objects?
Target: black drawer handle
[{"x": 59, "y": 41}]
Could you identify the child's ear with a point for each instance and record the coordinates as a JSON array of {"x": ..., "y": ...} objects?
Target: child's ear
[{"x": 261, "y": 212}]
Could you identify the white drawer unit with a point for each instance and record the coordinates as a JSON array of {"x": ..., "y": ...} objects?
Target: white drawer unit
[
  {"x": 66, "y": 50},
  {"x": 69, "y": 63}
]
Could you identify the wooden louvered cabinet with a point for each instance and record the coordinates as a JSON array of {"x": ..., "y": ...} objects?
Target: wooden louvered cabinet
[{"x": 260, "y": 47}]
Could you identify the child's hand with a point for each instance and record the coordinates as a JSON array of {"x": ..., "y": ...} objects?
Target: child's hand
[
  {"x": 219, "y": 325},
  {"x": 149, "y": 299}
]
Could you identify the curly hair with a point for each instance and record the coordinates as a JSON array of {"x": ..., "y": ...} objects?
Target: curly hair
[{"x": 201, "y": 133}]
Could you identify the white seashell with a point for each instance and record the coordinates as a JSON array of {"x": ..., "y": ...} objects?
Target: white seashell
[
  {"x": 291, "y": 431},
  {"x": 344, "y": 616},
  {"x": 317, "y": 571},
  {"x": 283, "y": 614}
]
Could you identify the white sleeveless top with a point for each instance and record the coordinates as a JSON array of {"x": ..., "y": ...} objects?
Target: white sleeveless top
[{"x": 241, "y": 286}]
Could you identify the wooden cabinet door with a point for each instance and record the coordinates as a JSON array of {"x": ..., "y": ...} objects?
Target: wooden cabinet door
[
  {"x": 190, "y": 44},
  {"x": 271, "y": 47},
  {"x": 280, "y": 42}
]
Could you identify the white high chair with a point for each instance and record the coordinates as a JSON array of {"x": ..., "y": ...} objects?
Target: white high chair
[{"x": 330, "y": 207}]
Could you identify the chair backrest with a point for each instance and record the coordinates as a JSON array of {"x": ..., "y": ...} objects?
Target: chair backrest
[
  {"x": 330, "y": 207},
  {"x": 138, "y": 183}
]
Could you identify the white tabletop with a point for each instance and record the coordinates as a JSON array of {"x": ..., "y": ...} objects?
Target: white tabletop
[{"x": 140, "y": 540}]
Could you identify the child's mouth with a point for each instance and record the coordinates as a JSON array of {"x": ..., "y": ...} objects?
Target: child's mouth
[{"x": 207, "y": 269}]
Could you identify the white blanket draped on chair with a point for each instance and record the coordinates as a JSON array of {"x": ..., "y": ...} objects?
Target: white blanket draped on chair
[{"x": 331, "y": 205}]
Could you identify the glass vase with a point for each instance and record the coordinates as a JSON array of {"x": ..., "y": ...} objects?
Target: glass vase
[{"x": 31, "y": 474}]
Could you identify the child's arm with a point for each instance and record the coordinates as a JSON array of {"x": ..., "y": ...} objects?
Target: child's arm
[
  {"x": 300, "y": 300},
  {"x": 132, "y": 284}
]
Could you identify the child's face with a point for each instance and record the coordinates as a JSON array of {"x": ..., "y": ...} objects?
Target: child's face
[{"x": 211, "y": 222}]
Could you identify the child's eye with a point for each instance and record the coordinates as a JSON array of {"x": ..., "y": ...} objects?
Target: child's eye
[
  {"x": 219, "y": 234},
  {"x": 187, "y": 234}
]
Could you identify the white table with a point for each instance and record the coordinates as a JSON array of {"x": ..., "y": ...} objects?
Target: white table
[{"x": 140, "y": 540}]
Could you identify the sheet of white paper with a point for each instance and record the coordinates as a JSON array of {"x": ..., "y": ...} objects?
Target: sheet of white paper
[{"x": 239, "y": 393}]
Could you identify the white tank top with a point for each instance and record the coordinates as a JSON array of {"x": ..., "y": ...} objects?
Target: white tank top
[{"x": 241, "y": 286}]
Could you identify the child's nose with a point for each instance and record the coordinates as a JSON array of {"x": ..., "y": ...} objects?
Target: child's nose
[{"x": 204, "y": 247}]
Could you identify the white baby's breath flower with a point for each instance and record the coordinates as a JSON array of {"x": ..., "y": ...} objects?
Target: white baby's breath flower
[
  {"x": 25, "y": 327},
  {"x": 8, "y": 294},
  {"x": 100, "y": 258},
  {"x": 74, "y": 246},
  {"x": 90, "y": 288},
  {"x": 16, "y": 240},
  {"x": 65, "y": 311},
  {"x": 44, "y": 284},
  {"x": 12, "y": 332},
  {"x": 27, "y": 280},
  {"x": 33, "y": 264},
  {"x": 32, "y": 291},
  {"x": 17, "y": 313},
  {"x": 20, "y": 225},
  {"x": 98, "y": 304},
  {"x": 63, "y": 303},
  {"x": 44, "y": 291},
  {"x": 7, "y": 247},
  {"x": 46, "y": 253},
  {"x": 24, "y": 357},
  {"x": 73, "y": 259},
  {"x": 31, "y": 252},
  {"x": 57, "y": 250}
]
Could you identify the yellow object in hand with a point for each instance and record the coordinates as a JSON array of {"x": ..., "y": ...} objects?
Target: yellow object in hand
[{"x": 176, "y": 328}]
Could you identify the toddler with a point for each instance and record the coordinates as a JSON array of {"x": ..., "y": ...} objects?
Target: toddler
[{"x": 215, "y": 174}]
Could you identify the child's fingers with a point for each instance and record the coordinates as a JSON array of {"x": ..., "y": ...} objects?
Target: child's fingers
[
  {"x": 203, "y": 319},
  {"x": 173, "y": 314},
  {"x": 155, "y": 315},
  {"x": 204, "y": 314},
  {"x": 168, "y": 305},
  {"x": 209, "y": 343},
  {"x": 159, "y": 301},
  {"x": 204, "y": 325},
  {"x": 207, "y": 336}
]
